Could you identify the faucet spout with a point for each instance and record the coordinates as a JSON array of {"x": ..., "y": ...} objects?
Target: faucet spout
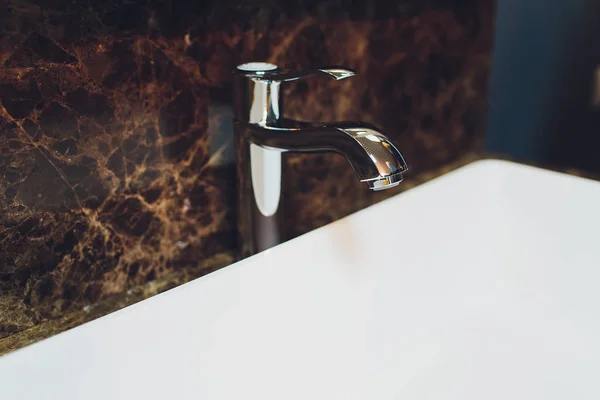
[{"x": 372, "y": 155}]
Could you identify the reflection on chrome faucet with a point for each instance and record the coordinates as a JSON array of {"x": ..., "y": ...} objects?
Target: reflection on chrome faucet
[{"x": 262, "y": 134}]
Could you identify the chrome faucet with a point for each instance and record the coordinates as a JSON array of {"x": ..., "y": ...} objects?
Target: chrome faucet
[{"x": 262, "y": 134}]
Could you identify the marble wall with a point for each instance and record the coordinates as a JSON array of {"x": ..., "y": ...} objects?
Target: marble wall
[{"x": 115, "y": 128}]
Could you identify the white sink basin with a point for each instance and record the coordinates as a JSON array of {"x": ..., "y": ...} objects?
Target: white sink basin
[{"x": 482, "y": 284}]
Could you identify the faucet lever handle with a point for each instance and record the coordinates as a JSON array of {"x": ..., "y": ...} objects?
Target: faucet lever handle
[
  {"x": 337, "y": 73},
  {"x": 271, "y": 73}
]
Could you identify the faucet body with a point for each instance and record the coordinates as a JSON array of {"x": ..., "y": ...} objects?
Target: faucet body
[{"x": 262, "y": 134}]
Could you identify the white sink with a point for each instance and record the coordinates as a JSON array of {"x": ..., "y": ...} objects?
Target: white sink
[{"x": 482, "y": 284}]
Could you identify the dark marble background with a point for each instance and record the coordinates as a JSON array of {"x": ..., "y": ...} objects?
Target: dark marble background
[{"x": 115, "y": 129}]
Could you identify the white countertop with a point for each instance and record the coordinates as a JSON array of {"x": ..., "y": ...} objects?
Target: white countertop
[{"x": 482, "y": 284}]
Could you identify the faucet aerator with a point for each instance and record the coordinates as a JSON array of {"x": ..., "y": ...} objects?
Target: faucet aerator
[{"x": 387, "y": 182}]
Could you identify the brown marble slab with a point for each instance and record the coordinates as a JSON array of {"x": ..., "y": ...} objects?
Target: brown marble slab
[{"x": 115, "y": 142}]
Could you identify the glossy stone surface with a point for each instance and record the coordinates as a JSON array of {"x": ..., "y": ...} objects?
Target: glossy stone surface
[{"x": 115, "y": 130}]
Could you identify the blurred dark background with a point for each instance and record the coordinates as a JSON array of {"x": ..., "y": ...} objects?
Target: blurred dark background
[{"x": 545, "y": 85}]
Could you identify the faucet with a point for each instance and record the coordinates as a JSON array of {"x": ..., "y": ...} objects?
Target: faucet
[{"x": 262, "y": 134}]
